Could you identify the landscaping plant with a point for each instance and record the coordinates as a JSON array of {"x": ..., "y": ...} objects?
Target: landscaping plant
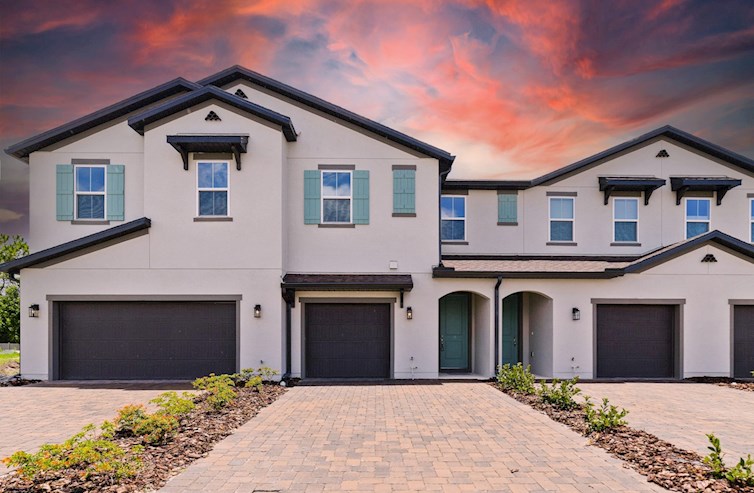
[
  {"x": 253, "y": 378},
  {"x": 516, "y": 378},
  {"x": 173, "y": 405},
  {"x": 561, "y": 394},
  {"x": 605, "y": 417},
  {"x": 220, "y": 389},
  {"x": 741, "y": 474},
  {"x": 153, "y": 428}
]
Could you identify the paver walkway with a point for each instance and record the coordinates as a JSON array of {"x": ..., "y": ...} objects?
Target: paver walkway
[
  {"x": 35, "y": 414},
  {"x": 448, "y": 437},
  {"x": 682, "y": 413}
]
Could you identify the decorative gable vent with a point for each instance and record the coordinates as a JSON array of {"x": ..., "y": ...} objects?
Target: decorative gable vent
[
  {"x": 663, "y": 153},
  {"x": 709, "y": 258},
  {"x": 241, "y": 94},
  {"x": 212, "y": 117}
]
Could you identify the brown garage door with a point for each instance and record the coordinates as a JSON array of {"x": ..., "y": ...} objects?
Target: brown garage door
[
  {"x": 145, "y": 340},
  {"x": 743, "y": 341},
  {"x": 635, "y": 341},
  {"x": 347, "y": 340}
]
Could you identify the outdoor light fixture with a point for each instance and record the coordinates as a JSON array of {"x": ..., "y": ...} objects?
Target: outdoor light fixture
[
  {"x": 576, "y": 314},
  {"x": 34, "y": 310},
  {"x": 257, "y": 311},
  {"x": 409, "y": 313}
]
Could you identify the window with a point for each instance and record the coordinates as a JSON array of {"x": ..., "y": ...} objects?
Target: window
[
  {"x": 697, "y": 217},
  {"x": 453, "y": 217},
  {"x": 336, "y": 196},
  {"x": 625, "y": 220},
  {"x": 561, "y": 219},
  {"x": 751, "y": 220},
  {"x": 212, "y": 186},
  {"x": 90, "y": 192}
]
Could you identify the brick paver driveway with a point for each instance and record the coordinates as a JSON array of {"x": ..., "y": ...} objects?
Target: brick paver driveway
[
  {"x": 682, "y": 413},
  {"x": 449, "y": 437},
  {"x": 43, "y": 413}
]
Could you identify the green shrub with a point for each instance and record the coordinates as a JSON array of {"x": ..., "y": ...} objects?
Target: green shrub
[
  {"x": 604, "y": 417},
  {"x": 220, "y": 389},
  {"x": 152, "y": 428},
  {"x": 516, "y": 378},
  {"x": 740, "y": 475},
  {"x": 560, "y": 394},
  {"x": 253, "y": 377},
  {"x": 84, "y": 452},
  {"x": 173, "y": 405},
  {"x": 715, "y": 458}
]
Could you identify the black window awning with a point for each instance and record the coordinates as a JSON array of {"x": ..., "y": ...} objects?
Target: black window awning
[
  {"x": 610, "y": 184},
  {"x": 226, "y": 144},
  {"x": 720, "y": 185}
]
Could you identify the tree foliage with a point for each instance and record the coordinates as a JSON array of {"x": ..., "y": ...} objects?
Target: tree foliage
[{"x": 10, "y": 312}]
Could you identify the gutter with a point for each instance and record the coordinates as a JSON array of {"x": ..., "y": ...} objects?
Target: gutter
[{"x": 497, "y": 324}]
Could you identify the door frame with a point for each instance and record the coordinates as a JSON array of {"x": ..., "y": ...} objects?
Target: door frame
[
  {"x": 469, "y": 330},
  {"x": 519, "y": 329}
]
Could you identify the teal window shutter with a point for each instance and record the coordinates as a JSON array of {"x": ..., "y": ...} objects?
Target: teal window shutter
[
  {"x": 404, "y": 191},
  {"x": 312, "y": 191},
  {"x": 507, "y": 208},
  {"x": 64, "y": 192},
  {"x": 361, "y": 197},
  {"x": 116, "y": 184}
]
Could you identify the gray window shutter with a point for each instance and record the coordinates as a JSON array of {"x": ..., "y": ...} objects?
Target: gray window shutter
[
  {"x": 361, "y": 197},
  {"x": 116, "y": 192},
  {"x": 507, "y": 208},
  {"x": 312, "y": 191},
  {"x": 404, "y": 191},
  {"x": 64, "y": 192}
]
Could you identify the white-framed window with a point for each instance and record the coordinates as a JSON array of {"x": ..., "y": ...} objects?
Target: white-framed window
[
  {"x": 625, "y": 220},
  {"x": 213, "y": 188},
  {"x": 90, "y": 186},
  {"x": 453, "y": 218},
  {"x": 751, "y": 220},
  {"x": 697, "y": 216},
  {"x": 337, "y": 197},
  {"x": 562, "y": 218}
]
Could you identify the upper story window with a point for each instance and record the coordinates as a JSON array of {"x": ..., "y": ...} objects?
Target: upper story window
[
  {"x": 336, "y": 197},
  {"x": 90, "y": 192},
  {"x": 212, "y": 187},
  {"x": 697, "y": 216},
  {"x": 453, "y": 218},
  {"x": 626, "y": 220},
  {"x": 561, "y": 218}
]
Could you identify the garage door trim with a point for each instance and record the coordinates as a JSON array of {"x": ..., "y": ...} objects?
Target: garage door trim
[
  {"x": 678, "y": 329},
  {"x": 53, "y": 333},
  {"x": 733, "y": 304},
  {"x": 389, "y": 301}
]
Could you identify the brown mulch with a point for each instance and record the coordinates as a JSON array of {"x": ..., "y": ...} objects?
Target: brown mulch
[
  {"x": 197, "y": 435},
  {"x": 661, "y": 462},
  {"x": 733, "y": 383}
]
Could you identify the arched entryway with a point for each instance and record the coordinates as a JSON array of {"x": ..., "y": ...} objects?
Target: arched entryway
[{"x": 465, "y": 338}]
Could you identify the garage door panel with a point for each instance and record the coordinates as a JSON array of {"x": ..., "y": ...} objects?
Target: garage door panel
[
  {"x": 146, "y": 340},
  {"x": 743, "y": 341}
]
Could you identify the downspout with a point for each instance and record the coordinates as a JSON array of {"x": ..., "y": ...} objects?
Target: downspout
[
  {"x": 440, "y": 179},
  {"x": 287, "y": 340},
  {"x": 497, "y": 324}
]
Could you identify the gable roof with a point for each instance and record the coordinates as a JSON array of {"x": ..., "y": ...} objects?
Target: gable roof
[
  {"x": 193, "y": 98},
  {"x": 117, "y": 110},
  {"x": 237, "y": 72},
  {"x": 15, "y": 266},
  {"x": 737, "y": 160}
]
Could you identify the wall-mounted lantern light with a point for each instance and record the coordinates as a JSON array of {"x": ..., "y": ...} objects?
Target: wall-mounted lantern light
[
  {"x": 576, "y": 314},
  {"x": 34, "y": 310},
  {"x": 257, "y": 311},
  {"x": 409, "y": 313}
]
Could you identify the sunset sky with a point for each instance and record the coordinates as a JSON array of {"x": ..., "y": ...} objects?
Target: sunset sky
[{"x": 513, "y": 88}]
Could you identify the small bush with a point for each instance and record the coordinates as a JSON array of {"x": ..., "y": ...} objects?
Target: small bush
[
  {"x": 251, "y": 377},
  {"x": 152, "y": 428},
  {"x": 516, "y": 378},
  {"x": 129, "y": 418},
  {"x": 220, "y": 389},
  {"x": 740, "y": 475},
  {"x": 560, "y": 394},
  {"x": 604, "y": 417},
  {"x": 85, "y": 452},
  {"x": 173, "y": 405}
]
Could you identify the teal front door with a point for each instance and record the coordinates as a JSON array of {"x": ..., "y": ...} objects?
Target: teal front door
[
  {"x": 454, "y": 332},
  {"x": 511, "y": 329}
]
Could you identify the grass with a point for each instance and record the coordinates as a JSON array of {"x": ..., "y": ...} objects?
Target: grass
[{"x": 7, "y": 359}]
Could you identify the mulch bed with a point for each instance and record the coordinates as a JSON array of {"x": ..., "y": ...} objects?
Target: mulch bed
[
  {"x": 747, "y": 385},
  {"x": 198, "y": 433},
  {"x": 661, "y": 462}
]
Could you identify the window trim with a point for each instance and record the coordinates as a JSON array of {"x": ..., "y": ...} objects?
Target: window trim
[
  {"x": 213, "y": 189},
  {"x": 750, "y": 213},
  {"x": 76, "y": 193},
  {"x": 550, "y": 198},
  {"x": 686, "y": 215},
  {"x": 349, "y": 171},
  {"x": 615, "y": 220},
  {"x": 454, "y": 196}
]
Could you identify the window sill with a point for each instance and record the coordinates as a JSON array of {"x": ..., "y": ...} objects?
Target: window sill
[
  {"x": 625, "y": 243},
  {"x": 507, "y": 224},
  {"x": 335, "y": 225},
  {"x": 213, "y": 219},
  {"x": 561, "y": 243},
  {"x": 404, "y": 214},
  {"x": 91, "y": 222},
  {"x": 452, "y": 242}
]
